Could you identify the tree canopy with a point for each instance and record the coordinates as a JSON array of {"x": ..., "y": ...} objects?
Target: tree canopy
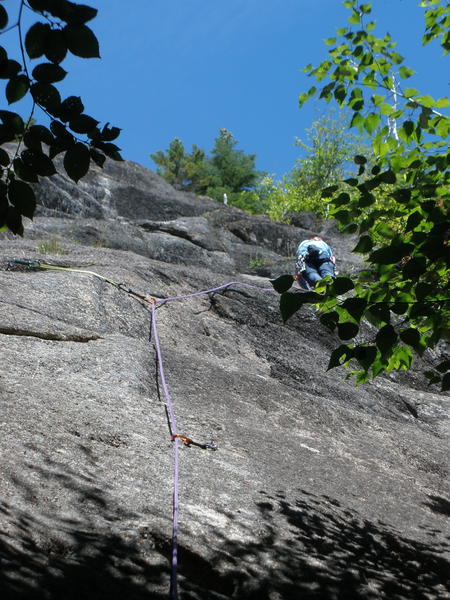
[
  {"x": 61, "y": 29},
  {"x": 404, "y": 291},
  {"x": 226, "y": 170},
  {"x": 327, "y": 151}
]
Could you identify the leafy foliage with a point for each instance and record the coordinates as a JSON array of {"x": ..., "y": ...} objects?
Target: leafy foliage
[
  {"x": 61, "y": 30},
  {"x": 226, "y": 171},
  {"x": 328, "y": 150},
  {"x": 398, "y": 206}
]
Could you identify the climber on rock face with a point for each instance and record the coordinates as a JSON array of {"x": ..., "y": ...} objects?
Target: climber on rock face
[{"x": 315, "y": 260}]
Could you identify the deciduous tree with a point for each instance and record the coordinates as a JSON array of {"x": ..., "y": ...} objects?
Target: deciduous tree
[
  {"x": 404, "y": 292},
  {"x": 35, "y": 71}
]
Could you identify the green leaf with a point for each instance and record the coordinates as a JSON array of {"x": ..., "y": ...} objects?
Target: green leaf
[
  {"x": 9, "y": 68},
  {"x": 355, "y": 307},
  {"x": 60, "y": 130},
  {"x": 282, "y": 283},
  {"x": 354, "y": 18},
  {"x": 365, "y": 355},
  {"x": 303, "y": 97},
  {"x": 362, "y": 377},
  {"x": 371, "y": 122},
  {"x": 97, "y": 157},
  {"x": 339, "y": 94},
  {"x": 329, "y": 320},
  {"x": 41, "y": 133},
  {"x": 413, "y": 220},
  {"x": 3, "y": 17},
  {"x": 329, "y": 191},
  {"x": 41, "y": 5},
  {"x": 341, "y": 285},
  {"x": 4, "y": 158},
  {"x": 343, "y": 352},
  {"x": 21, "y": 195},
  {"x": 83, "y": 124},
  {"x": 49, "y": 73},
  {"x": 387, "y": 110},
  {"x": 364, "y": 245},
  {"x": 46, "y": 95},
  {"x": 35, "y": 39},
  {"x": 410, "y": 336},
  {"x": 386, "y": 338},
  {"x": 350, "y": 228},
  {"x": 81, "y": 41},
  {"x": 426, "y": 101},
  {"x": 408, "y": 127},
  {"x": 290, "y": 302},
  {"x": 70, "y": 108},
  {"x": 381, "y": 313},
  {"x": 14, "y": 220},
  {"x": 16, "y": 88},
  {"x": 385, "y": 230},
  {"x": 347, "y": 330},
  {"x": 423, "y": 290},
  {"x": 76, "y": 161},
  {"x": 109, "y": 133},
  {"x": 442, "y": 102},
  {"x": 55, "y": 46},
  {"x": 38, "y": 162},
  {"x": 402, "y": 195},
  {"x": 343, "y": 198},
  {"x": 343, "y": 216},
  {"x": 390, "y": 255},
  {"x": 366, "y": 199},
  {"x": 401, "y": 358},
  {"x": 77, "y": 14},
  {"x": 110, "y": 150},
  {"x": 24, "y": 172},
  {"x": 357, "y": 121},
  {"x": 415, "y": 267},
  {"x": 421, "y": 309},
  {"x": 61, "y": 144},
  {"x": 387, "y": 176},
  {"x": 13, "y": 121},
  {"x": 405, "y": 72},
  {"x": 32, "y": 141}
]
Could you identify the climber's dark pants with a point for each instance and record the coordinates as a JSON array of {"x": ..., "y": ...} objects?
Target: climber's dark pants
[{"x": 317, "y": 269}]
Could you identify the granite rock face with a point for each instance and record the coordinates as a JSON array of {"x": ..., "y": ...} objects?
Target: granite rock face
[{"x": 318, "y": 489}]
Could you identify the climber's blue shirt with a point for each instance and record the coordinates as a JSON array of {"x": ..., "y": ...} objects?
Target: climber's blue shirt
[{"x": 323, "y": 249}]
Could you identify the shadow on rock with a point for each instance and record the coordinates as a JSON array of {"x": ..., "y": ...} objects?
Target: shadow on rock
[
  {"x": 330, "y": 554},
  {"x": 306, "y": 547},
  {"x": 90, "y": 549},
  {"x": 439, "y": 505}
]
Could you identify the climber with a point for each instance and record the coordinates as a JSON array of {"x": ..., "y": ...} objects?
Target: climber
[{"x": 315, "y": 260}]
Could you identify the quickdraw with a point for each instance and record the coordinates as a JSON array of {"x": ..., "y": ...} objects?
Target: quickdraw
[{"x": 187, "y": 441}]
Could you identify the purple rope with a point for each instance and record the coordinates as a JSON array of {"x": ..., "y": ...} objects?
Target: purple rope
[
  {"x": 176, "y": 461},
  {"x": 173, "y": 424},
  {"x": 216, "y": 289}
]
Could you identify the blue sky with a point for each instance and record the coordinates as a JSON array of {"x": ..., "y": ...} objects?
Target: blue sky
[{"x": 186, "y": 68}]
